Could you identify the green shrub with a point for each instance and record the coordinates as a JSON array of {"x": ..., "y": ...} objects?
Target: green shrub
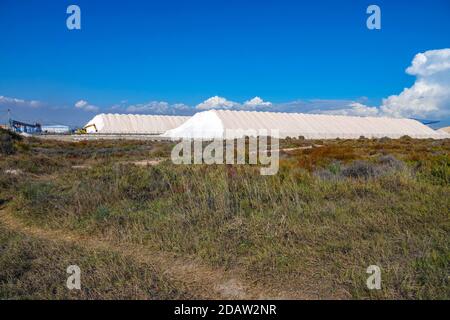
[
  {"x": 440, "y": 170},
  {"x": 42, "y": 199}
]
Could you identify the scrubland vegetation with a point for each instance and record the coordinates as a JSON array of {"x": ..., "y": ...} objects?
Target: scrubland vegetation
[{"x": 310, "y": 231}]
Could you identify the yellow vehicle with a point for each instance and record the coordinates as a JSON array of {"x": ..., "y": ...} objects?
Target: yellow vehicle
[{"x": 84, "y": 130}]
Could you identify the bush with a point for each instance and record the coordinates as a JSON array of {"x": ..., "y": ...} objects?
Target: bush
[
  {"x": 7, "y": 139},
  {"x": 6, "y": 144},
  {"x": 361, "y": 169},
  {"x": 13, "y": 135},
  {"x": 42, "y": 199},
  {"x": 391, "y": 162},
  {"x": 440, "y": 170},
  {"x": 325, "y": 174}
]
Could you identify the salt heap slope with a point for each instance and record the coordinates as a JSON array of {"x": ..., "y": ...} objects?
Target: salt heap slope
[
  {"x": 133, "y": 124},
  {"x": 444, "y": 130},
  {"x": 233, "y": 124}
]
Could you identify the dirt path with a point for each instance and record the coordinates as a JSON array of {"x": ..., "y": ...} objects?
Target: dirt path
[
  {"x": 301, "y": 148},
  {"x": 139, "y": 163},
  {"x": 203, "y": 282}
]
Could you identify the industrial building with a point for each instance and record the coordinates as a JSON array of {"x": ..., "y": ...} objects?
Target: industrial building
[
  {"x": 133, "y": 124},
  {"x": 234, "y": 124},
  {"x": 23, "y": 127},
  {"x": 55, "y": 129}
]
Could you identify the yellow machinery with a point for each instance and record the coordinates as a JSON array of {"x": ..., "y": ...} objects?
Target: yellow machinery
[{"x": 84, "y": 130}]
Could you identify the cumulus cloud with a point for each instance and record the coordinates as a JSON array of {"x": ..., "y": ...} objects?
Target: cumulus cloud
[
  {"x": 32, "y": 111},
  {"x": 153, "y": 106},
  {"x": 324, "y": 106},
  {"x": 428, "y": 97},
  {"x": 430, "y": 94},
  {"x": 255, "y": 103},
  {"x": 14, "y": 102},
  {"x": 159, "y": 107},
  {"x": 80, "y": 104},
  {"x": 355, "y": 109},
  {"x": 216, "y": 102},
  {"x": 328, "y": 106},
  {"x": 84, "y": 105}
]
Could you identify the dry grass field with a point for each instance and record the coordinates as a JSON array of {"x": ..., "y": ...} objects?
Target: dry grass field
[{"x": 141, "y": 227}]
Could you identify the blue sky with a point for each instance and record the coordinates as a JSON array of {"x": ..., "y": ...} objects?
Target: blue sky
[{"x": 170, "y": 56}]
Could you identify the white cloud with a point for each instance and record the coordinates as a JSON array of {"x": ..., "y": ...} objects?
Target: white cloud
[
  {"x": 181, "y": 106},
  {"x": 158, "y": 107},
  {"x": 430, "y": 94},
  {"x": 428, "y": 97},
  {"x": 32, "y": 111},
  {"x": 430, "y": 62},
  {"x": 355, "y": 109},
  {"x": 81, "y": 104},
  {"x": 153, "y": 106},
  {"x": 84, "y": 105},
  {"x": 256, "y": 102},
  {"x": 14, "y": 102},
  {"x": 326, "y": 106},
  {"x": 216, "y": 102}
]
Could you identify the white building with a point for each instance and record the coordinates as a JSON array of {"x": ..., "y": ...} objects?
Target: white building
[
  {"x": 221, "y": 123},
  {"x": 133, "y": 124},
  {"x": 55, "y": 129}
]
